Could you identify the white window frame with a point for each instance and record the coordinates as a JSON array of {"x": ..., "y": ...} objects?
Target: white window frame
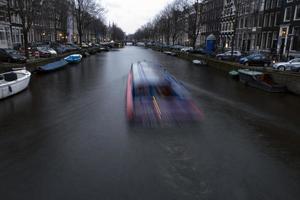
[
  {"x": 284, "y": 19},
  {"x": 271, "y": 16},
  {"x": 289, "y": 1},
  {"x": 266, "y": 20},
  {"x": 295, "y": 14}
]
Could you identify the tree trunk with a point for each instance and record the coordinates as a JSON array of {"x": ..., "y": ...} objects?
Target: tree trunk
[
  {"x": 194, "y": 39},
  {"x": 25, "y": 37},
  {"x": 235, "y": 23}
]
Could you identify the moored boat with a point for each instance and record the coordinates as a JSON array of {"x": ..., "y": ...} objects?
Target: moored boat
[
  {"x": 259, "y": 80},
  {"x": 13, "y": 82},
  {"x": 53, "y": 66},
  {"x": 234, "y": 74},
  {"x": 74, "y": 58},
  {"x": 199, "y": 62},
  {"x": 170, "y": 53}
]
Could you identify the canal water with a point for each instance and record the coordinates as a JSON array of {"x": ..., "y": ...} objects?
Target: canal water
[{"x": 67, "y": 137}]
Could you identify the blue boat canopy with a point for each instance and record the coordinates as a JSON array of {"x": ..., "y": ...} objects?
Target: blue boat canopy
[{"x": 73, "y": 58}]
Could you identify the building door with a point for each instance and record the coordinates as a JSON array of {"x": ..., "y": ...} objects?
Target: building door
[
  {"x": 281, "y": 50},
  {"x": 248, "y": 45}
]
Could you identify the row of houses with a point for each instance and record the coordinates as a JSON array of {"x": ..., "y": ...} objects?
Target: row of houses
[
  {"x": 250, "y": 25},
  {"x": 45, "y": 27}
]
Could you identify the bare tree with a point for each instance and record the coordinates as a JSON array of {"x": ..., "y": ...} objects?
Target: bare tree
[
  {"x": 194, "y": 20},
  {"x": 28, "y": 10},
  {"x": 177, "y": 16},
  {"x": 117, "y": 33},
  {"x": 86, "y": 12}
]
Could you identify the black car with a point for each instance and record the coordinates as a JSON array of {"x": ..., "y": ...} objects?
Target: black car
[
  {"x": 229, "y": 56},
  {"x": 11, "y": 55},
  {"x": 197, "y": 51},
  {"x": 255, "y": 60}
]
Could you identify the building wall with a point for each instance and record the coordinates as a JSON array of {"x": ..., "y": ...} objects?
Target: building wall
[
  {"x": 288, "y": 39},
  {"x": 5, "y": 37},
  {"x": 227, "y": 24}
]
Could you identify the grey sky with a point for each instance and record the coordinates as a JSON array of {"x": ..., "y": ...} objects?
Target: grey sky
[{"x": 131, "y": 14}]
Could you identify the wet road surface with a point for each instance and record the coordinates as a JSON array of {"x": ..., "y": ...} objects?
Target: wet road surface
[{"x": 66, "y": 137}]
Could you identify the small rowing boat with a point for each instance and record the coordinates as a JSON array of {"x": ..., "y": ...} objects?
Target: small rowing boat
[
  {"x": 259, "y": 80},
  {"x": 53, "y": 66},
  {"x": 74, "y": 58},
  {"x": 13, "y": 82}
]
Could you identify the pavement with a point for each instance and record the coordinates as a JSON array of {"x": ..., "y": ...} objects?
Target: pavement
[{"x": 67, "y": 137}]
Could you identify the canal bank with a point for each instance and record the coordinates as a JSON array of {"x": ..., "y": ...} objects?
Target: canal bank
[
  {"x": 289, "y": 79},
  {"x": 32, "y": 64}
]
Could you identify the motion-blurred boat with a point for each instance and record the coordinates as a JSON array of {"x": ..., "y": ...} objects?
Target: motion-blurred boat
[
  {"x": 13, "y": 82},
  {"x": 74, "y": 58},
  {"x": 154, "y": 96},
  {"x": 53, "y": 66},
  {"x": 259, "y": 80}
]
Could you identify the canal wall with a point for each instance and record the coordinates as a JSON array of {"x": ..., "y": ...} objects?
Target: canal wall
[
  {"x": 32, "y": 64},
  {"x": 289, "y": 79}
]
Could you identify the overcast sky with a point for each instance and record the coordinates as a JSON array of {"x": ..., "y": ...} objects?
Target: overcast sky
[{"x": 131, "y": 14}]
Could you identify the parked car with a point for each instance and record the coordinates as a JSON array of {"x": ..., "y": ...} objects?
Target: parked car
[
  {"x": 59, "y": 48},
  {"x": 176, "y": 47},
  {"x": 104, "y": 48},
  {"x": 11, "y": 55},
  {"x": 73, "y": 47},
  {"x": 141, "y": 44},
  {"x": 186, "y": 49},
  {"x": 84, "y": 45},
  {"x": 255, "y": 60},
  {"x": 48, "y": 49},
  {"x": 43, "y": 52},
  {"x": 293, "y": 65},
  {"x": 229, "y": 55},
  {"x": 198, "y": 51}
]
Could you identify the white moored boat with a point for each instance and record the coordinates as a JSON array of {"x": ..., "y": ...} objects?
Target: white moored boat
[{"x": 13, "y": 82}]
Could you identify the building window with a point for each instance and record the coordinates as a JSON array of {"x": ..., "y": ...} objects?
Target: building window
[
  {"x": 267, "y": 4},
  {"x": 266, "y": 20},
  {"x": 263, "y": 40},
  {"x": 296, "y": 39},
  {"x": 278, "y": 3},
  {"x": 273, "y": 4},
  {"x": 271, "y": 19},
  {"x": 287, "y": 14},
  {"x": 277, "y": 19},
  {"x": 269, "y": 40},
  {"x": 297, "y": 13},
  {"x": 2, "y": 35},
  {"x": 258, "y": 40},
  {"x": 274, "y": 42},
  {"x": 259, "y": 20}
]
